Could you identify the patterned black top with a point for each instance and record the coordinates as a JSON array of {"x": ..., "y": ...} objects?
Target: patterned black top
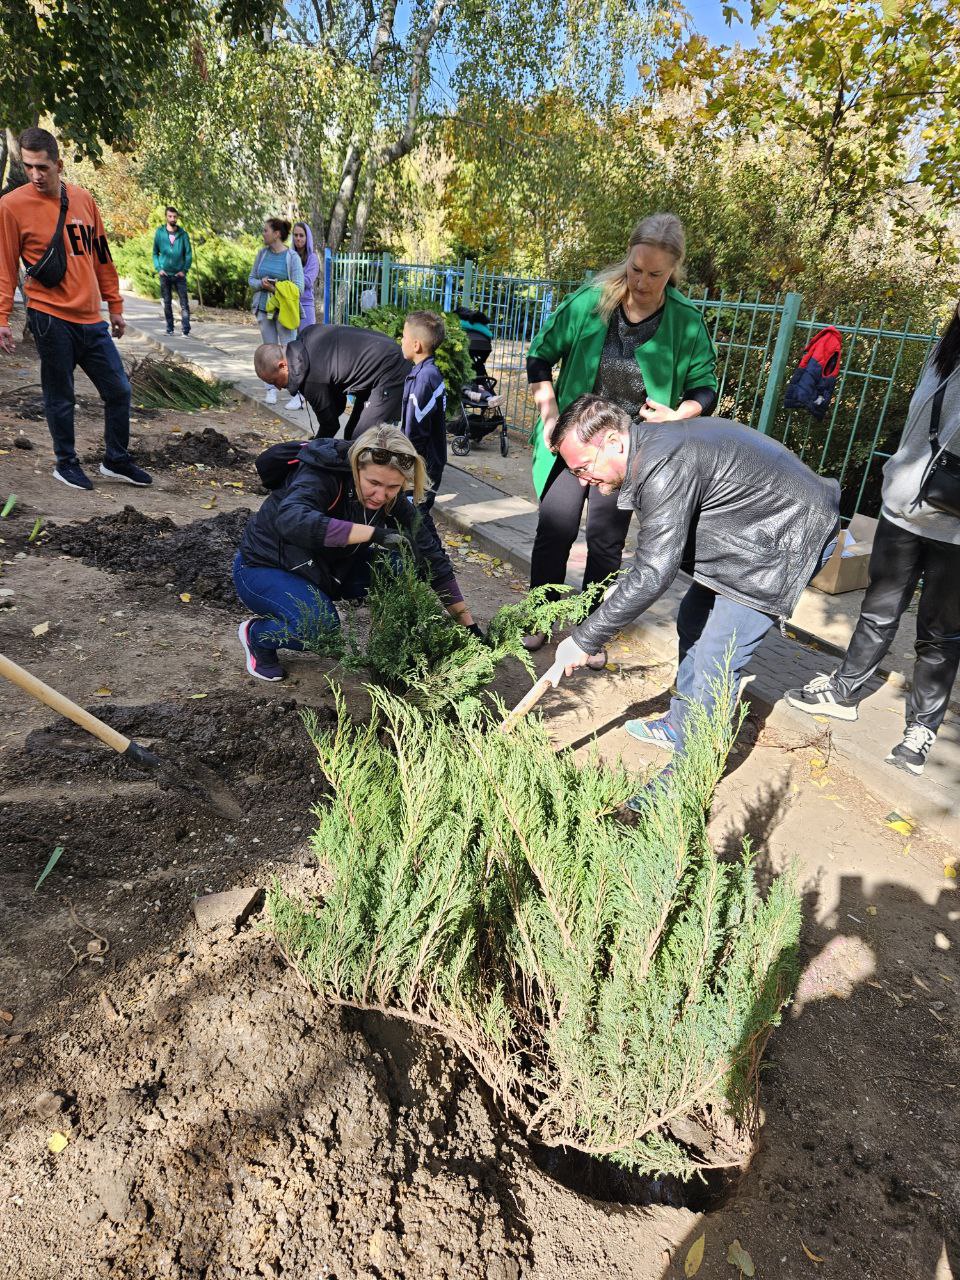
[{"x": 619, "y": 377}]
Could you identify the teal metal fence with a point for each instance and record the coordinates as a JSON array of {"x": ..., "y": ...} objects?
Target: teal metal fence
[{"x": 758, "y": 344}]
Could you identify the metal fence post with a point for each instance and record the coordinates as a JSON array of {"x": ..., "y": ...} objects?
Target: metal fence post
[
  {"x": 327, "y": 283},
  {"x": 778, "y": 361},
  {"x": 448, "y": 290},
  {"x": 466, "y": 292},
  {"x": 386, "y": 262}
]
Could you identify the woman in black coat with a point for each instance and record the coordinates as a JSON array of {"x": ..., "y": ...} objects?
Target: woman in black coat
[{"x": 313, "y": 540}]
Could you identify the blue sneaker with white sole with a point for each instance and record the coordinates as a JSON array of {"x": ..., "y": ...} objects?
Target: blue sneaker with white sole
[
  {"x": 656, "y": 733},
  {"x": 128, "y": 472}
]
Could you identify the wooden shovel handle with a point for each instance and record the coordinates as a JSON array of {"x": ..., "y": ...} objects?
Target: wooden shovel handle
[
  {"x": 528, "y": 701},
  {"x": 43, "y": 693}
]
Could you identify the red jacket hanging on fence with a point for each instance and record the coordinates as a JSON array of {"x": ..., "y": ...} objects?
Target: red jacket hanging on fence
[{"x": 813, "y": 380}]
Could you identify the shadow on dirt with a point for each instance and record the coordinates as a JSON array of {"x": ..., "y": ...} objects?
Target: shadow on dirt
[{"x": 857, "y": 1157}]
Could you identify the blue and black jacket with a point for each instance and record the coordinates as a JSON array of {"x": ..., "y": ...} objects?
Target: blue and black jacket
[{"x": 424, "y": 419}]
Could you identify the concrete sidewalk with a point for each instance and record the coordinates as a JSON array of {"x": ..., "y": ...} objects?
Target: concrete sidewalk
[{"x": 504, "y": 524}]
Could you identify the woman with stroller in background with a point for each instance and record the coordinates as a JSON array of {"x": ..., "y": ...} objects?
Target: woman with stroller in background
[
  {"x": 275, "y": 262},
  {"x": 631, "y": 337},
  {"x": 303, "y": 248}
]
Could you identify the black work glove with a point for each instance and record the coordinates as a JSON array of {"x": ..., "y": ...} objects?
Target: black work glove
[
  {"x": 388, "y": 538},
  {"x": 474, "y": 630}
]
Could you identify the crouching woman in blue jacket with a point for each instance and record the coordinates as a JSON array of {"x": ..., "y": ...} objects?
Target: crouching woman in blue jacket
[{"x": 313, "y": 541}]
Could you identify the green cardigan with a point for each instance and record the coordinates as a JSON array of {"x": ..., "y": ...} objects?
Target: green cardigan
[{"x": 679, "y": 357}]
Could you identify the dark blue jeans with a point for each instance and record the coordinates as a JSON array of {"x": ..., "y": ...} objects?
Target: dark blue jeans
[
  {"x": 288, "y": 604},
  {"x": 708, "y": 626},
  {"x": 167, "y": 286},
  {"x": 62, "y": 346}
]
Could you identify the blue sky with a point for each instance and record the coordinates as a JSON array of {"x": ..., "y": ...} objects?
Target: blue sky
[{"x": 707, "y": 17}]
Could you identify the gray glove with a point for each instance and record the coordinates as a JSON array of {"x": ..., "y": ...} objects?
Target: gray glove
[{"x": 388, "y": 538}]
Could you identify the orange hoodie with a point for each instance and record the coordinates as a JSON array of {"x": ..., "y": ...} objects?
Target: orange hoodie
[{"x": 28, "y": 220}]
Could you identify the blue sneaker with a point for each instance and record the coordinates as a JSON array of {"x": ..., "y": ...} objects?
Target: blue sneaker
[
  {"x": 261, "y": 663},
  {"x": 72, "y": 475},
  {"x": 656, "y": 733},
  {"x": 127, "y": 471},
  {"x": 649, "y": 792}
]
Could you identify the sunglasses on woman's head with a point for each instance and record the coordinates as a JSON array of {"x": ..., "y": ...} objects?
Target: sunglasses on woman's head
[{"x": 387, "y": 458}]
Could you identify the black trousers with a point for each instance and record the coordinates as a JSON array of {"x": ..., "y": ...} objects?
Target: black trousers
[
  {"x": 898, "y": 560},
  {"x": 561, "y": 507},
  {"x": 167, "y": 286},
  {"x": 382, "y": 404}
]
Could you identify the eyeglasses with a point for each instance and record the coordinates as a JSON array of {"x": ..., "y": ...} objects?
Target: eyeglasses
[
  {"x": 587, "y": 469},
  {"x": 387, "y": 458}
]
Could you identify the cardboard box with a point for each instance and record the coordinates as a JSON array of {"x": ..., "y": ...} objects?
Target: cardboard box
[{"x": 848, "y": 567}]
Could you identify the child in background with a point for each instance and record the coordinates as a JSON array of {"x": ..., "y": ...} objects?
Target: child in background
[{"x": 424, "y": 415}]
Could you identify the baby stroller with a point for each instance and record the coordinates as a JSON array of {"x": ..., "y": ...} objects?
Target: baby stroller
[{"x": 479, "y": 412}]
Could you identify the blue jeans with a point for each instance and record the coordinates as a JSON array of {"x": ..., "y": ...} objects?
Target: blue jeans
[
  {"x": 288, "y": 603},
  {"x": 62, "y": 346},
  {"x": 708, "y": 625},
  {"x": 167, "y": 286}
]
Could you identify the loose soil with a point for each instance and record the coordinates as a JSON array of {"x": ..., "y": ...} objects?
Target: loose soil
[
  {"x": 222, "y": 1122},
  {"x": 157, "y": 553}
]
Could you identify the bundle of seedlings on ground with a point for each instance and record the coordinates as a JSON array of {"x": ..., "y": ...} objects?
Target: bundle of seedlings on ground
[
  {"x": 613, "y": 982},
  {"x": 165, "y": 384},
  {"x": 407, "y": 641}
]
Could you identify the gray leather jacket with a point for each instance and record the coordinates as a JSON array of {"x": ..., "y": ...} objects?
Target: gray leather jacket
[{"x": 736, "y": 510}]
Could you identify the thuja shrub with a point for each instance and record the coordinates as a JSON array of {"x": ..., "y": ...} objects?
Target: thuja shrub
[
  {"x": 612, "y": 981},
  {"x": 407, "y": 641}
]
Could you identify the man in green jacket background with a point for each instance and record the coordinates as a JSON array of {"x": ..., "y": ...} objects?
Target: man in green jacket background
[{"x": 172, "y": 259}]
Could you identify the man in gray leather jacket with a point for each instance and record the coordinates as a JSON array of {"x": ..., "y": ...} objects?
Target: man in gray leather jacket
[{"x": 736, "y": 510}]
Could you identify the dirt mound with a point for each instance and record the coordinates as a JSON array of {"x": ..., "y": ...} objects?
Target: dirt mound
[
  {"x": 208, "y": 447},
  {"x": 195, "y": 557},
  {"x": 222, "y": 1121},
  {"x": 230, "y": 1126}
]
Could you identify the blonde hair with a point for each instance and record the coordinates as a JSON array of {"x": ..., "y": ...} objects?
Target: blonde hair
[
  {"x": 661, "y": 231},
  {"x": 415, "y": 482}
]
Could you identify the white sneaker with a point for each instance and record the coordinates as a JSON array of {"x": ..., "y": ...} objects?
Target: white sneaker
[
  {"x": 295, "y": 403},
  {"x": 911, "y": 752},
  {"x": 271, "y": 396}
]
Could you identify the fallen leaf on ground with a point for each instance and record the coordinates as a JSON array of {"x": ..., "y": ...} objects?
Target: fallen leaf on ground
[
  {"x": 901, "y": 825},
  {"x": 102, "y": 692},
  {"x": 920, "y": 982},
  {"x": 198, "y": 695},
  {"x": 41, "y": 628},
  {"x": 186, "y": 597},
  {"x": 57, "y": 1142},
  {"x": 738, "y": 1256},
  {"x": 694, "y": 1256},
  {"x": 871, "y": 911},
  {"x": 6, "y": 1015},
  {"x": 950, "y": 869},
  {"x": 51, "y": 863},
  {"x": 810, "y": 1254}
]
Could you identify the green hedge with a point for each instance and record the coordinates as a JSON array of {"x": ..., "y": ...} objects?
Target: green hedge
[
  {"x": 453, "y": 355},
  {"x": 218, "y": 275}
]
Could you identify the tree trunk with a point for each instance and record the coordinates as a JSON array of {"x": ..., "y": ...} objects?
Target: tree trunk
[
  {"x": 402, "y": 145},
  {"x": 15, "y": 175},
  {"x": 341, "y": 206},
  {"x": 4, "y": 147}
]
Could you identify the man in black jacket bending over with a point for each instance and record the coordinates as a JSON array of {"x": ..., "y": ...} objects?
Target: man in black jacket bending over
[
  {"x": 327, "y": 363},
  {"x": 736, "y": 510}
]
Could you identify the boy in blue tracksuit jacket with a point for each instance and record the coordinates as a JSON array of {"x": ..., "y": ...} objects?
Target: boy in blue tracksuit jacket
[{"x": 424, "y": 414}]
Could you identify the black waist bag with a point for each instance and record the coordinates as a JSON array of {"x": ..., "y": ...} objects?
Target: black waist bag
[
  {"x": 52, "y": 266},
  {"x": 940, "y": 487}
]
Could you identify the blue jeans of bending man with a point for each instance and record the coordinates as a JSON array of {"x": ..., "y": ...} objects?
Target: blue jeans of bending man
[
  {"x": 62, "y": 346},
  {"x": 288, "y": 603},
  {"x": 709, "y": 625}
]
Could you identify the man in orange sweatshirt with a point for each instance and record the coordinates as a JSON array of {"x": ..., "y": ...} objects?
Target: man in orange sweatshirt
[{"x": 64, "y": 317}]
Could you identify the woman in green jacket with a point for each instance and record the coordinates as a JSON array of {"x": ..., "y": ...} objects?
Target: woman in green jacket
[{"x": 632, "y": 338}]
